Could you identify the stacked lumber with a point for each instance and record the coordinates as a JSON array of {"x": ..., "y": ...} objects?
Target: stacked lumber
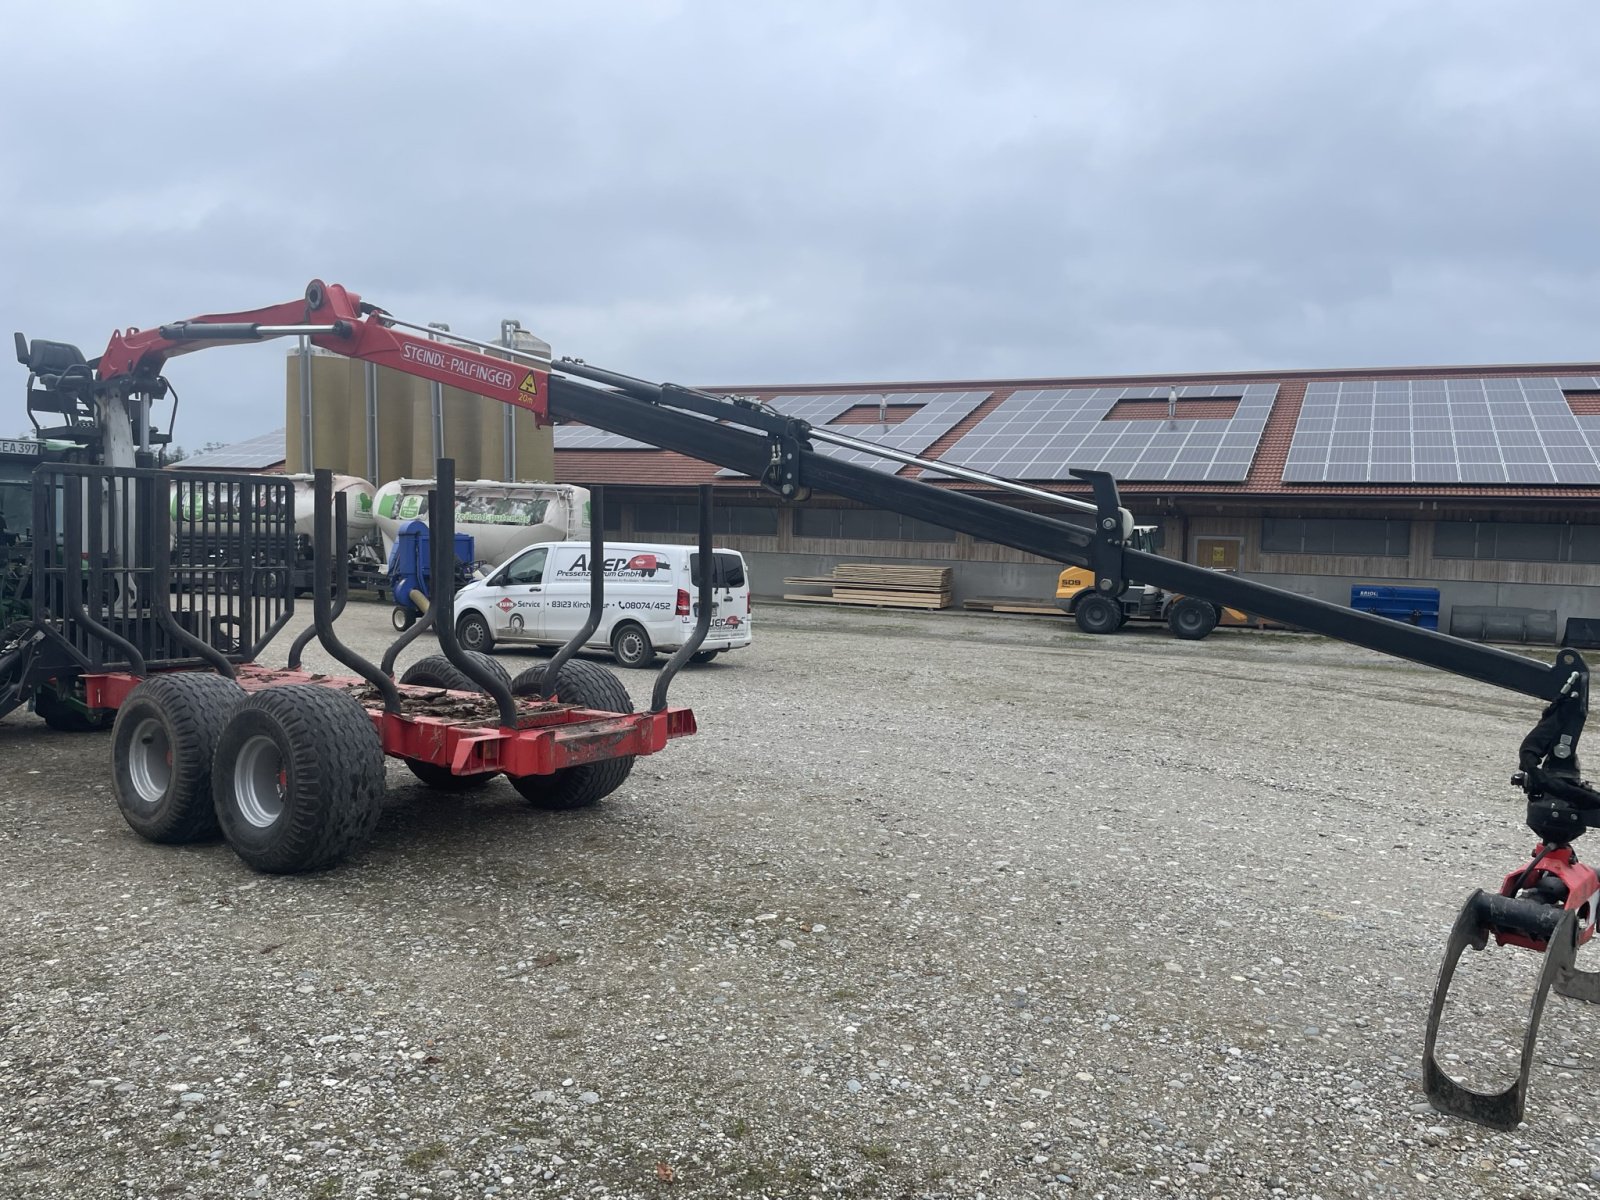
[
  {"x": 878, "y": 585},
  {"x": 1011, "y": 604}
]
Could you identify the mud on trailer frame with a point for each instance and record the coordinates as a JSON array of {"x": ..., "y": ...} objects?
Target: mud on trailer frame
[{"x": 262, "y": 751}]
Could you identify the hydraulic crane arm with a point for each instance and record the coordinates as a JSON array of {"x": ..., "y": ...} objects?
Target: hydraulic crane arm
[{"x": 656, "y": 414}]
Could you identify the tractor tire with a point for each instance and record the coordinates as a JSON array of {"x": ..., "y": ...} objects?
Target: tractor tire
[
  {"x": 66, "y": 716},
  {"x": 161, "y": 748},
  {"x": 438, "y": 671},
  {"x": 1191, "y": 618},
  {"x": 631, "y": 646},
  {"x": 474, "y": 634},
  {"x": 1098, "y": 614},
  {"x": 297, "y": 778},
  {"x": 591, "y": 686}
]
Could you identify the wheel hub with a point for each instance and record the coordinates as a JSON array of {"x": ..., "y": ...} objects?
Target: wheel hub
[
  {"x": 260, "y": 782},
  {"x": 150, "y": 761}
]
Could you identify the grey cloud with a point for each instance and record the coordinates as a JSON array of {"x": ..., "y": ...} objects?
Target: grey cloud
[{"x": 735, "y": 193}]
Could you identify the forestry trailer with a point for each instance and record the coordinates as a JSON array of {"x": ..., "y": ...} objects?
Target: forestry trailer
[{"x": 290, "y": 765}]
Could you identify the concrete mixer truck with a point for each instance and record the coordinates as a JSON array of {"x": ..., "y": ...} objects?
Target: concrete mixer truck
[{"x": 501, "y": 518}]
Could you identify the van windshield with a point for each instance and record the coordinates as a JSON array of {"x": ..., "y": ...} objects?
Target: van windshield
[{"x": 727, "y": 570}]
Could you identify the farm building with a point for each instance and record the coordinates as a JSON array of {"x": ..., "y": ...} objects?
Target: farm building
[{"x": 1482, "y": 482}]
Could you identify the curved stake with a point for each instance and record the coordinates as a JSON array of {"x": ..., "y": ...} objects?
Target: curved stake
[{"x": 1502, "y": 1109}]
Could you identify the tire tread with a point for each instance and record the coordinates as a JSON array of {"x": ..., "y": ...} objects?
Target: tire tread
[
  {"x": 592, "y": 686},
  {"x": 336, "y": 762}
]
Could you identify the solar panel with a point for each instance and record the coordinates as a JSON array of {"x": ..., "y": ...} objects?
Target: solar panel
[
  {"x": 586, "y": 437},
  {"x": 937, "y": 413},
  {"x": 253, "y": 454},
  {"x": 1489, "y": 430},
  {"x": 1043, "y": 434}
]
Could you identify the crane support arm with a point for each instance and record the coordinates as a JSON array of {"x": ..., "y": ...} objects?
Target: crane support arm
[{"x": 334, "y": 319}]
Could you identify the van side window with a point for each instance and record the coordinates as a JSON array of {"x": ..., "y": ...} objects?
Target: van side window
[
  {"x": 727, "y": 571},
  {"x": 529, "y": 568}
]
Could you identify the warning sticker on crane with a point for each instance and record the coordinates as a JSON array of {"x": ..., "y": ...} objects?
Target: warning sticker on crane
[{"x": 530, "y": 385}]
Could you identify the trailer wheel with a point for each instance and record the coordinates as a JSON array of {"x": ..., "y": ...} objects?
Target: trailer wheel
[
  {"x": 438, "y": 671},
  {"x": 65, "y": 715},
  {"x": 631, "y": 645},
  {"x": 402, "y": 618},
  {"x": 1098, "y": 614},
  {"x": 161, "y": 750},
  {"x": 297, "y": 778},
  {"x": 473, "y": 632},
  {"x": 1191, "y": 618},
  {"x": 591, "y": 686}
]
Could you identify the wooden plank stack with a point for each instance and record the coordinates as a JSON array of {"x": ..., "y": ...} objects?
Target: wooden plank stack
[
  {"x": 1011, "y": 604},
  {"x": 879, "y": 585}
]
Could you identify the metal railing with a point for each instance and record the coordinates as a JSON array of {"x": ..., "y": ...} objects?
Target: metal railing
[{"x": 106, "y": 582}]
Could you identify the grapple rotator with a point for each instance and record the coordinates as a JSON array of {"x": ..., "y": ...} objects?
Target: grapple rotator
[{"x": 1547, "y": 905}]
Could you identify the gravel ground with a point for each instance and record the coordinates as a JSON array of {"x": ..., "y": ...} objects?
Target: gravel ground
[{"x": 934, "y": 905}]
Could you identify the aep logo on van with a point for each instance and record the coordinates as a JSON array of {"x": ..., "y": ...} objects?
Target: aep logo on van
[{"x": 639, "y": 566}]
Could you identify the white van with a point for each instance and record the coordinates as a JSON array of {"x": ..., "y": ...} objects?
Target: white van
[{"x": 540, "y": 597}]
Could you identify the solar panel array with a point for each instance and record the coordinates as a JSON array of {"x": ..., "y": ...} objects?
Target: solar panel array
[
  {"x": 1494, "y": 430},
  {"x": 586, "y": 437},
  {"x": 255, "y": 454},
  {"x": 937, "y": 413},
  {"x": 1044, "y": 434}
]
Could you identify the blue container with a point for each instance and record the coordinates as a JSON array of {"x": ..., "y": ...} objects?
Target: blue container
[
  {"x": 1413, "y": 605},
  {"x": 410, "y": 567}
]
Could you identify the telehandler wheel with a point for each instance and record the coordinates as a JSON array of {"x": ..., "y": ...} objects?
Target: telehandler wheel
[
  {"x": 297, "y": 778},
  {"x": 631, "y": 645},
  {"x": 1191, "y": 618},
  {"x": 65, "y": 716},
  {"x": 591, "y": 686},
  {"x": 1098, "y": 614},
  {"x": 161, "y": 749},
  {"x": 438, "y": 671}
]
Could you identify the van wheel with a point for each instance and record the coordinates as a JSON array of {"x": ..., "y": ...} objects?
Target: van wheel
[
  {"x": 1191, "y": 618},
  {"x": 438, "y": 671},
  {"x": 632, "y": 646},
  {"x": 472, "y": 631},
  {"x": 591, "y": 686},
  {"x": 1098, "y": 614},
  {"x": 705, "y": 656}
]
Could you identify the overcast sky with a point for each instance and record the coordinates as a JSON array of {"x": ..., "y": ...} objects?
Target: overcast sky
[{"x": 744, "y": 193}]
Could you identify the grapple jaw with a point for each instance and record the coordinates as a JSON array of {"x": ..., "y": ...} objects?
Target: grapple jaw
[{"x": 1547, "y": 906}]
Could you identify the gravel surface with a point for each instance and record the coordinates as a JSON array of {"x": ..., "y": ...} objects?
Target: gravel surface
[{"x": 934, "y": 905}]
